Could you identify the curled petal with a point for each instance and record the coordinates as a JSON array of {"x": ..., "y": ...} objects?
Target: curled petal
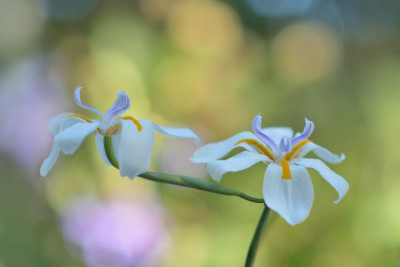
[
  {"x": 241, "y": 161},
  {"x": 321, "y": 152},
  {"x": 71, "y": 138},
  {"x": 256, "y": 124},
  {"x": 290, "y": 198},
  {"x": 134, "y": 148},
  {"x": 77, "y": 98},
  {"x": 177, "y": 132},
  {"x": 285, "y": 144},
  {"x": 308, "y": 129},
  {"x": 120, "y": 105},
  {"x": 335, "y": 180},
  {"x": 220, "y": 149}
]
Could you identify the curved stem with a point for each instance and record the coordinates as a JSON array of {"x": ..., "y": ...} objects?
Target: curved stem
[
  {"x": 251, "y": 254},
  {"x": 181, "y": 180}
]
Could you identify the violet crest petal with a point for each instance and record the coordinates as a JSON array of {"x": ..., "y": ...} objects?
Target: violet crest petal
[
  {"x": 121, "y": 104},
  {"x": 77, "y": 98},
  {"x": 285, "y": 145},
  {"x": 308, "y": 129},
  {"x": 256, "y": 125}
]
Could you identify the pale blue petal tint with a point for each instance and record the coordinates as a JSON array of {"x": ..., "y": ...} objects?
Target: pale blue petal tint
[
  {"x": 134, "y": 148},
  {"x": 277, "y": 133},
  {"x": 285, "y": 144},
  {"x": 121, "y": 104},
  {"x": 99, "y": 139},
  {"x": 177, "y": 132},
  {"x": 241, "y": 161},
  {"x": 49, "y": 162},
  {"x": 321, "y": 152},
  {"x": 256, "y": 125},
  {"x": 308, "y": 129},
  {"x": 220, "y": 149},
  {"x": 77, "y": 98},
  {"x": 335, "y": 180},
  {"x": 290, "y": 198},
  {"x": 71, "y": 138}
]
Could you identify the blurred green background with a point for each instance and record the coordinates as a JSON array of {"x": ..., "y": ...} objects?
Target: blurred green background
[{"x": 210, "y": 66}]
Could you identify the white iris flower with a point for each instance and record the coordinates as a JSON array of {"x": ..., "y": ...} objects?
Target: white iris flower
[
  {"x": 132, "y": 139},
  {"x": 287, "y": 188}
]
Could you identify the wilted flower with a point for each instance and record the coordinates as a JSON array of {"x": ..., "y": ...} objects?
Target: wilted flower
[
  {"x": 132, "y": 139},
  {"x": 287, "y": 188}
]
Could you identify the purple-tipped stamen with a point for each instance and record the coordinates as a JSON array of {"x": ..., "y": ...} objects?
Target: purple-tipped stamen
[
  {"x": 120, "y": 105},
  {"x": 77, "y": 98},
  {"x": 308, "y": 129},
  {"x": 256, "y": 124},
  {"x": 285, "y": 145}
]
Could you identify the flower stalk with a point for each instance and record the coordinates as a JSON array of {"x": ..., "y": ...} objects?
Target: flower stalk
[
  {"x": 181, "y": 180},
  {"x": 251, "y": 254}
]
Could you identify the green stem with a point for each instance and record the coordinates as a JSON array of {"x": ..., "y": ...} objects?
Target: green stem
[
  {"x": 251, "y": 254},
  {"x": 181, "y": 180}
]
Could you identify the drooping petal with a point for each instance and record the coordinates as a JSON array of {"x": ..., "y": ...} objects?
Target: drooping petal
[
  {"x": 277, "y": 133},
  {"x": 290, "y": 198},
  {"x": 177, "y": 132},
  {"x": 49, "y": 162},
  {"x": 256, "y": 125},
  {"x": 335, "y": 180},
  {"x": 71, "y": 138},
  {"x": 134, "y": 147},
  {"x": 77, "y": 98},
  {"x": 308, "y": 129},
  {"x": 220, "y": 149},
  {"x": 100, "y": 147},
  {"x": 120, "y": 105},
  {"x": 321, "y": 152},
  {"x": 239, "y": 162}
]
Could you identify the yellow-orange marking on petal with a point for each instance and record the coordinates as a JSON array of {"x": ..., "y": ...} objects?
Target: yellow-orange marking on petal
[
  {"x": 288, "y": 156},
  {"x": 260, "y": 146},
  {"x": 136, "y": 122},
  {"x": 80, "y": 117},
  {"x": 285, "y": 169}
]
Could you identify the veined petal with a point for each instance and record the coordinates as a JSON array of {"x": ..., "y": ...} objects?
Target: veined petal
[
  {"x": 71, "y": 138},
  {"x": 177, "y": 132},
  {"x": 277, "y": 133},
  {"x": 49, "y": 162},
  {"x": 100, "y": 147},
  {"x": 290, "y": 198},
  {"x": 308, "y": 129},
  {"x": 120, "y": 105},
  {"x": 335, "y": 180},
  {"x": 256, "y": 125},
  {"x": 239, "y": 162},
  {"x": 220, "y": 149},
  {"x": 321, "y": 152},
  {"x": 134, "y": 148},
  {"x": 77, "y": 98}
]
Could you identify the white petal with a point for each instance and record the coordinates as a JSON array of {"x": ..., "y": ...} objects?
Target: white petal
[
  {"x": 321, "y": 152},
  {"x": 177, "y": 132},
  {"x": 276, "y": 133},
  {"x": 61, "y": 122},
  {"x": 218, "y": 150},
  {"x": 48, "y": 163},
  {"x": 335, "y": 180},
  {"x": 134, "y": 148},
  {"x": 291, "y": 198},
  {"x": 100, "y": 147},
  {"x": 239, "y": 162},
  {"x": 71, "y": 138}
]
